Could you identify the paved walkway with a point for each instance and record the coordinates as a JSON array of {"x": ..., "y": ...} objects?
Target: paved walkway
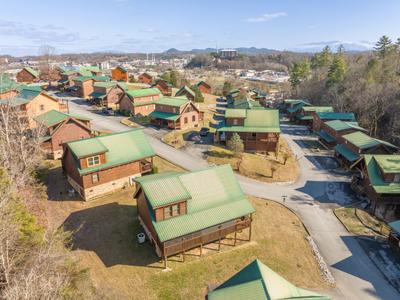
[{"x": 310, "y": 197}]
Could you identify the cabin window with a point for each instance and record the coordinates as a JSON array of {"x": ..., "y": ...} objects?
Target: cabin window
[
  {"x": 193, "y": 118},
  {"x": 396, "y": 178},
  {"x": 253, "y": 135},
  {"x": 171, "y": 211},
  {"x": 93, "y": 161},
  {"x": 235, "y": 121},
  {"x": 174, "y": 110},
  {"x": 185, "y": 120},
  {"x": 41, "y": 107},
  {"x": 95, "y": 178}
]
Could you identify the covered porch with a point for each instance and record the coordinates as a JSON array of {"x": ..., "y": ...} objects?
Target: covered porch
[{"x": 165, "y": 120}]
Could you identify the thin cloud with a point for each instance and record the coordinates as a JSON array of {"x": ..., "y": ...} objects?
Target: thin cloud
[{"x": 266, "y": 17}]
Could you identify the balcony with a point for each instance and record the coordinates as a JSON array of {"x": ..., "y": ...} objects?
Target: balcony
[{"x": 145, "y": 166}]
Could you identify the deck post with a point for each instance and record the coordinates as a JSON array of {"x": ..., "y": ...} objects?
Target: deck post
[
  {"x": 234, "y": 242},
  {"x": 219, "y": 244},
  {"x": 251, "y": 221},
  {"x": 165, "y": 262},
  {"x": 201, "y": 250},
  {"x": 183, "y": 256}
]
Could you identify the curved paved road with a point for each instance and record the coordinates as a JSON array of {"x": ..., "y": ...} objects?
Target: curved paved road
[{"x": 310, "y": 197}]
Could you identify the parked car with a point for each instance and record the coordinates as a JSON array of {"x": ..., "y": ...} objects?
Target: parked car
[
  {"x": 108, "y": 111},
  {"x": 204, "y": 131}
]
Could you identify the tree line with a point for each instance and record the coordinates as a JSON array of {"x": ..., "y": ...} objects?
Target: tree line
[{"x": 365, "y": 83}]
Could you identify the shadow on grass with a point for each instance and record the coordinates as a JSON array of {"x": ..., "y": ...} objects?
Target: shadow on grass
[
  {"x": 220, "y": 154},
  {"x": 110, "y": 231}
]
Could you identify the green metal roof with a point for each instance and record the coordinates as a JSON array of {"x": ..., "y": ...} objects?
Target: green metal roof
[
  {"x": 97, "y": 95},
  {"x": 259, "y": 120},
  {"x": 32, "y": 71},
  {"x": 53, "y": 117},
  {"x": 164, "y": 188},
  {"x": 346, "y": 153},
  {"x": 318, "y": 108},
  {"x": 105, "y": 84},
  {"x": 296, "y": 101},
  {"x": 395, "y": 226},
  {"x": 82, "y": 78},
  {"x": 213, "y": 197},
  {"x": 336, "y": 116},
  {"x": 304, "y": 118},
  {"x": 245, "y": 104},
  {"x": 258, "y": 282},
  {"x": 95, "y": 78},
  {"x": 120, "y": 148},
  {"x": 326, "y": 136},
  {"x": 142, "y": 103},
  {"x": 172, "y": 101},
  {"x": 390, "y": 164},
  {"x": 364, "y": 141},
  {"x": 143, "y": 92},
  {"x": 235, "y": 113},
  {"x": 183, "y": 89},
  {"x": 374, "y": 174},
  {"x": 29, "y": 92},
  {"x": 339, "y": 125},
  {"x": 15, "y": 101},
  {"x": 164, "y": 115}
]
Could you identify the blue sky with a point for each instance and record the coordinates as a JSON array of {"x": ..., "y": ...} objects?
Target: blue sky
[{"x": 156, "y": 25}]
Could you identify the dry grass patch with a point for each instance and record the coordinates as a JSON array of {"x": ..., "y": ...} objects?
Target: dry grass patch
[
  {"x": 360, "y": 222},
  {"x": 270, "y": 168},
  {"x": 175, "y": 139}
]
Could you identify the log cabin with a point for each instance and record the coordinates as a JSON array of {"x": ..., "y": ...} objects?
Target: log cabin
[
  {"x": 175, "y": 113},
  {"x": 67, "y": 77},
  {"x": 305, "y": 115},
  {"x": 290, "y": 107},
  {"x": 32, "y": 102},
  {"x": 244, "y": 104},
  {"x": 28, "y": 75},
  {"x": 119, "y": 74},
  {"x": 204, "y": 87},
  {"x": 103, "y": 164},
  {"x": 61, "y": 128},
  {"x": 164, "y": 86},
  {"x": 8, "y": 88},
  {"x": 182, "y": 211},
  {"x": 256, "y": 281},
  {"x": 357, "y": 144},
  {"x": 380, "y": 181},
  {"x": 107, "y": 93},
  {"x": 83, "y": 85},
  {"x": 139, "y": 102},
  {"x": 321, "y": 117},
  {"x": 145, "y": 78},
  {"x": 259, "y": 129},
  {"x": 187, "y": 92},
  {"x": 332, "y": 132},
  {"x": 258, "y": 95}
]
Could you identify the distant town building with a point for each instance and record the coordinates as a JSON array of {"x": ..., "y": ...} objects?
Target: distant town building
[{"x": 227, "y": 53}]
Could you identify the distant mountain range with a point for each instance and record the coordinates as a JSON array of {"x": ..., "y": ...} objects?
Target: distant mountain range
[
  {"x": 243, "y": 50},
  {"x": 304, "y": 48}
]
